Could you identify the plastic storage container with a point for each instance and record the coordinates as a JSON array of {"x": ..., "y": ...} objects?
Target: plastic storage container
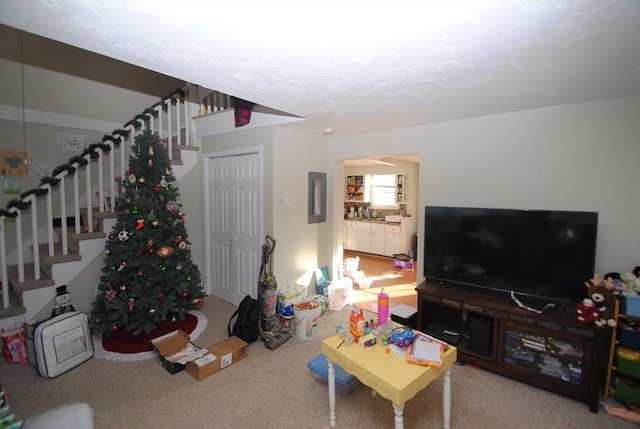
[
  {"x": 628, "y": 362},
  {"x": 629, "y": 337},
  {"x": 631, "y": 305},
  {"x": 345, "y": 382},
  {"x": 627, "y": 393}
]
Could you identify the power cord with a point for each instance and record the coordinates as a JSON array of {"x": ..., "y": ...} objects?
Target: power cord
[{"x": 521, "y": 305}]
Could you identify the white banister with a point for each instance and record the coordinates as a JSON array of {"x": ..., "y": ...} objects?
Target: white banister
[
  {"x": 76, "y": 200},
  {"x": 49, "y": 210},
  {"x": 112, "y": 178},
  {"x": 100, "y": 180},
  {"x": 178, "y": 133},
  {"x": 63, "y": 213},
  {"x": 170, "y": 132},
  {"x": 89, "y": 202},
  {"x": 4, "y": 275},
  {"x": 35, "y": 240},
  {"x": 19, "y": 244}
]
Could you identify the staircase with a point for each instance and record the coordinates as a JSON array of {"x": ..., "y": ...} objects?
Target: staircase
[{"x": 52, "y": 233}]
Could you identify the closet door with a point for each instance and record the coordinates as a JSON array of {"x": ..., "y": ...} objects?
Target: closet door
[{"x": 234, "y": 224}]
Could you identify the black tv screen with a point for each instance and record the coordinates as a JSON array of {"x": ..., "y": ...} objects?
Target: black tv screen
[{"x": 539, "y": 254}]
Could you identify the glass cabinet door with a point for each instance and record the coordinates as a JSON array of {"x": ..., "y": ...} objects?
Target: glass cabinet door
[{"x": 555, "y": 356}]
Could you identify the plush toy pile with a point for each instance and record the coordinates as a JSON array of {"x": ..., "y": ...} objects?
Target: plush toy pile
[{"x": 598, "y": 306}]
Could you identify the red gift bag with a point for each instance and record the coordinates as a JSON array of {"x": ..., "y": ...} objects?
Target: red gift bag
[{"x": 14, "y": 346}]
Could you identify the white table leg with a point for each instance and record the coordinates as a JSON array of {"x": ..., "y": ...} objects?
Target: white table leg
[
  {"x": 446, "y": 398},
  {"x": 398, "y": 419},
  {"x": 331, "y": 382}
]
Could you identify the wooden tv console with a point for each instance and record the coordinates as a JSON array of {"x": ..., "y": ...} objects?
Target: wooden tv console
[{"x": 552, "y": 350}]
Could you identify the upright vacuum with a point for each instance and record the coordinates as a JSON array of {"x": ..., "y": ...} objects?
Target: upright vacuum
[{"x": 268, "y": 298}]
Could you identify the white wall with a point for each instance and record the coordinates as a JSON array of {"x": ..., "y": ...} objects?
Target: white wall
[
  {"x": 576, "y": 157},
  {"x": 302, "y": 247}
]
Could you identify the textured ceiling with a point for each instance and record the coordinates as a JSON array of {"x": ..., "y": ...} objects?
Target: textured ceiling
[{"x": 364, "y": 66}]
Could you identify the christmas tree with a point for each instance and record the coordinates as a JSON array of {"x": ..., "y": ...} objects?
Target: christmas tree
[{"x": 148, "y": 275}]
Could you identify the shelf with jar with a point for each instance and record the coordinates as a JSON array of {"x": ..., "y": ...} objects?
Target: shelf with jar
[
  {"x": 358, "y": 188},
  {"x": 401, "y": 192}
]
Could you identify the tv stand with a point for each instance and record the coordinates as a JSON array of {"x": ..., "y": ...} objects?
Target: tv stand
[{"x": 552, "y": 350}]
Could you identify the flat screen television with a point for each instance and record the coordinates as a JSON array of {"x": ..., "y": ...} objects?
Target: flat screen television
[{"x": 543, "y": 256}]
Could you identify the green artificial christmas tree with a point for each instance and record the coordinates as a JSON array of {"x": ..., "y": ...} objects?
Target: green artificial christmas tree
[{"x": 149, "y": 276}]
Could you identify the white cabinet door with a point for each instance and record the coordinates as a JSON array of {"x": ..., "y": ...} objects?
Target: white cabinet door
[
  {"x": 350, "y": 235},
  {"x": 378, "y": 238},
  {"x": 363, "y": 239},
  {"x": 394, "y": 240}
]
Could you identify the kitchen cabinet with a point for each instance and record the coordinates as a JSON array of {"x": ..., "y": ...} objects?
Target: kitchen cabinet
[
  {"x": 394, "y": 240},
  {"x": 371, "y": 237},
  {"x": 363, "y": 238},
  {"x": 350, "y": 234},
  {"x": 378, "y": 238},
  {"x": 358, "y": 188}
]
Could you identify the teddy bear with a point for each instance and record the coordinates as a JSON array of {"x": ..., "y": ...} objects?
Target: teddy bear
[{"x": 602, "y": 300}]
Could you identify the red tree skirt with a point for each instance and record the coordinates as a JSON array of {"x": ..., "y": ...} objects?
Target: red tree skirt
[{"x": 123, "y": 341}]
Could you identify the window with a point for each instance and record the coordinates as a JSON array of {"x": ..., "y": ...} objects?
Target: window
[{"x": 383, "y": 191}]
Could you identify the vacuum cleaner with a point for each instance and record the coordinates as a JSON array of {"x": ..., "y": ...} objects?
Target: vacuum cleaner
[{"x": 268, "y": 298}]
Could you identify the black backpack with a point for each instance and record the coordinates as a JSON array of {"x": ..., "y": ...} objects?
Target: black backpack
[{"x": 246, "y": 326}]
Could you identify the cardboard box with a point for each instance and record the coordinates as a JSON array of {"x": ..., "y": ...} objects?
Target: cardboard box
[
  {"x": 218, "y": 357},
  {"x": 176, "y": 349}
]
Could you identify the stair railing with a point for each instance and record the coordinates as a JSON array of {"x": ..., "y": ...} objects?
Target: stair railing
[{"x": 162, "y": 117}]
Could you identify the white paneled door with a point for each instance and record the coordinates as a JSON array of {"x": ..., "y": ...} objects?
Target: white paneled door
[{"x": 233, "y": 212}]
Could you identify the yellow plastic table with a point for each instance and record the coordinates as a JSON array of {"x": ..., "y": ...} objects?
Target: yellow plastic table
[{"x": 388, "y": 374}]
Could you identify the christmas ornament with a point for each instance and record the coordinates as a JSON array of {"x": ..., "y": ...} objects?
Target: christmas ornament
[
  {"x": 179, "y": 267},
  {"x": 122, "y": 266},
  {"x": 177, "y": 239},
  {"x": 142, "y": 180},
  {"x": 132, "y": 178},
  {"x": 163, "y": 182},
  {"x": 135, "y": 211},
  {"x": 172, "y": 206},
  {"x": 140, "y": 273},
  {"x": 111, "y": 236},
  {"x": 188, "y": 277},
  {"x": 151, "y": 150},
  {"x": 111, "y": 294},
  {"x": 182, "y": 245},
  {"x": 152, "y": 215},
  {"x": 163, "y": 268},
  {"x": 185, "y": 294},
  {"x": 155, "y": 222},
  {"x": 152, "y": 310},
  {"x": 174, "y": 319},
  {"x": 150, "y": 242},
  {"x": 157, "y": 188},
  {"x": 123, "y": 235},
  {"x": 165, "y": 251},
  {"x": 114, "y": 327},
  {"x": 150, "y": 163},
  {"x": 123, "y": 287},
  {"x": 139, "y": 224},
  {"x": 151, "y": 250},
  {"x": 160, "y": 295},
  {"x": 131, "y": 302}
]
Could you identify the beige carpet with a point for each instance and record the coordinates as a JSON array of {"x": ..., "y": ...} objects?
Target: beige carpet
[{"x": 276, "y": 389}]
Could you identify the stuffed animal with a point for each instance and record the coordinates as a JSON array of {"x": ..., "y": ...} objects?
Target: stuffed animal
[
  {"x": 632, "y": 282},
  {"x": 603, "y": 300},
  {"x": 587, "y": 311}
]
